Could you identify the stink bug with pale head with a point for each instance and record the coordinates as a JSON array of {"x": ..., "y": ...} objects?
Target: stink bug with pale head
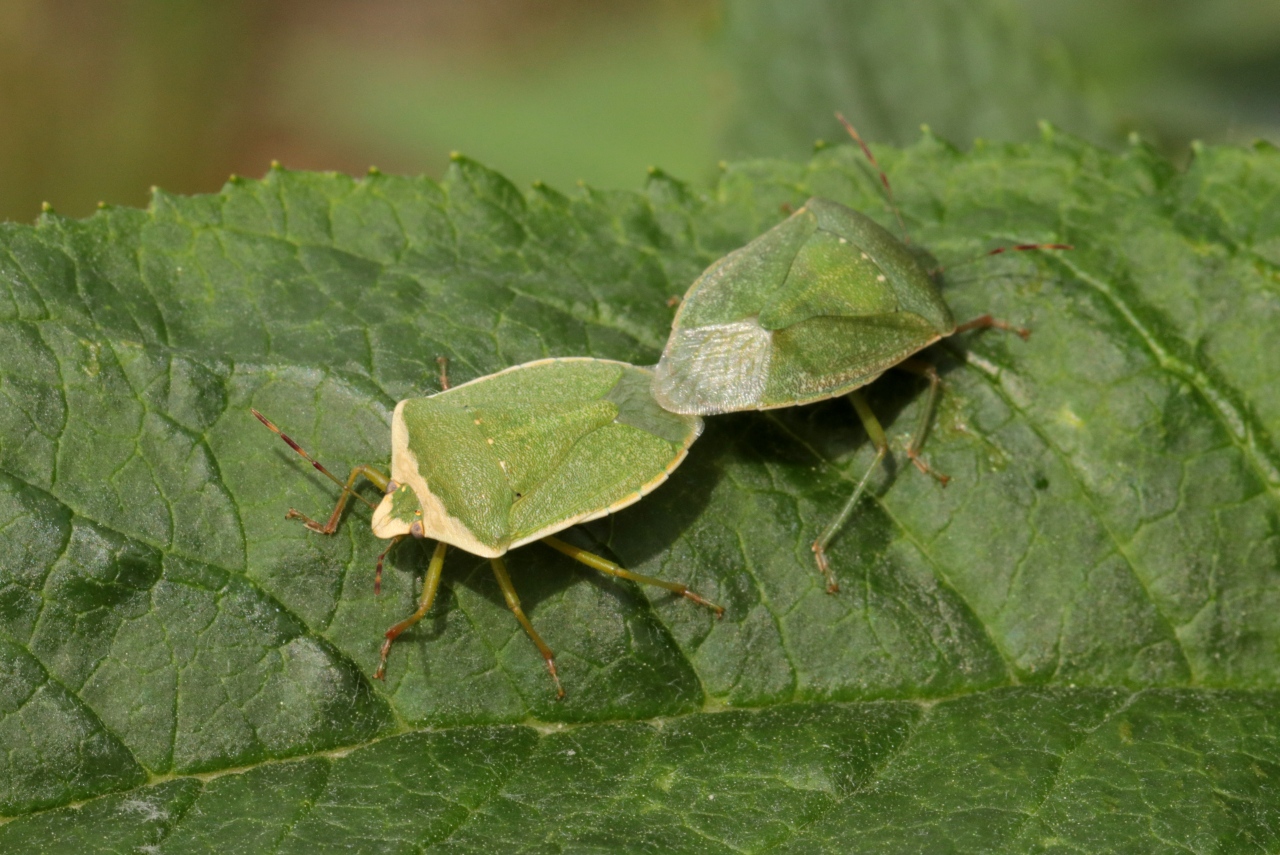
[
  {"x": 818, "y": 306},
  {"x": 515, "y": 457}
]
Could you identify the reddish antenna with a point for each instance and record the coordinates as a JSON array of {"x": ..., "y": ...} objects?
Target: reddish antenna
[
  {"x": 884, "y": 179},
  {"x": 1022, "y": 247}
]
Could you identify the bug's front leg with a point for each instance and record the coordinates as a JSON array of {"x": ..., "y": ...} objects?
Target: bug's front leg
[
  {"x": 430, "y": 584},
  {"x": 372, "y": 475}
]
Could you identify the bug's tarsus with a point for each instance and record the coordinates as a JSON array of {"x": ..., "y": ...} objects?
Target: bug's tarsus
[
  {"x": 820, "y": 555},
  {"x": 443, "y": 362},
  {"x": 430, "y": 584},
  {"x": 672, "y": 302},
  {"x": 604, "y": 565},
  {"x": 884, "y": 179},
  {"x": 295, "y": 514}
]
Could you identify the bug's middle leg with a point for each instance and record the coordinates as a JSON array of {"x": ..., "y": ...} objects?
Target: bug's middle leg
[
  {"x": 877, "y": 435},
  {"x": 513, "y": 603},
  {"x": 604, "y": 565}
]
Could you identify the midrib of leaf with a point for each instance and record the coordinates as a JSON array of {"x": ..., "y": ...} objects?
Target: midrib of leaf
[{"x": 1240, "y": 426}]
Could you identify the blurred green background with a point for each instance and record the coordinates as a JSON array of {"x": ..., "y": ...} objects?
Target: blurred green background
[{"x": 100, "y": 99}]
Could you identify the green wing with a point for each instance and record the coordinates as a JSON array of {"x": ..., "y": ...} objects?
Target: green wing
[
  {"x": 524, "y": 453},
  {"x": 818, "y": 305}
]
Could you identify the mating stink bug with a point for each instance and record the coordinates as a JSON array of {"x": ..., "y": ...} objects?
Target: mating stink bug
[
  {"x": 818, "y": 306},
  {"x": 515, "y": 457}
]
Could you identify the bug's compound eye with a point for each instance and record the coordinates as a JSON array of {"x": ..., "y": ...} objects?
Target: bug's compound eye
[
  {"x": 392, "y": 486},
  {"x": 416, "y": 529}
]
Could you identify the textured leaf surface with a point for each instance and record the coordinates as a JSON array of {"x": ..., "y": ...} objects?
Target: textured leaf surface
[{"x": 1073, "y": 647}]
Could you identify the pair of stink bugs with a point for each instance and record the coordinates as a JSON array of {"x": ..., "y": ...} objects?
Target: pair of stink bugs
[{"x": 818, "y": 306}]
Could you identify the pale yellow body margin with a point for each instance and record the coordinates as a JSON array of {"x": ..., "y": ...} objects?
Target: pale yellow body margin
[{"x": 437, "y": 524}]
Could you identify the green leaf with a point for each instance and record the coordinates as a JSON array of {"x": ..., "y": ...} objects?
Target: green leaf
[
  {"x": 1073, "y": 646},
  {"x": 968, "y": 68}
]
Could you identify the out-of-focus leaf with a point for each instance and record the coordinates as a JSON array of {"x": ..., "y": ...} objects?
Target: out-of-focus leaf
[{"x": 966, "y": 68}]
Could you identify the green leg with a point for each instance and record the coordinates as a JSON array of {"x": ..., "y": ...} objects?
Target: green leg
[
  {"x": 513, "y": 603},
  {"x": 373, "y": 475},
  {"x": 876, "y": 432},
  {"x": 924, "y": 369},
  {"x": 604, "y": 565},
  {"x": 430, "y": 583}
]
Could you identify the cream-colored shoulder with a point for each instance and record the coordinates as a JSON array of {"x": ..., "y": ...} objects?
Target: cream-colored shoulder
[
  {"x": 385, "y": 525},
  {"x": 437, "y": 523}
]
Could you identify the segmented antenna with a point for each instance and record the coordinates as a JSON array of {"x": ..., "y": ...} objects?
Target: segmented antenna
[
  {"x": 884, "y": 179},
  {"x": 443, "y": 362},
  {"x": 307, "y": 457},
  {"x": 1023, "y": 247}
]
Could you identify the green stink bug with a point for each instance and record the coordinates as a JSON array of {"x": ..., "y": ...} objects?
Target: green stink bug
[
  {"x": 818, "y": 306},
  {"x": 515, "y": 457}
]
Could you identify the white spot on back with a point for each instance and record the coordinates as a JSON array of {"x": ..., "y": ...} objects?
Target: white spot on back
[{"x": 717, "y": 368}]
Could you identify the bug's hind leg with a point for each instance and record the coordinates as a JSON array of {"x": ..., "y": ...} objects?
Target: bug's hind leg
[
  {"x": 430, "y": 584},
  {"x": 513, "y": 603},
  {"x": 604, "y": 565},
  {"x": 877, "y": 435}
]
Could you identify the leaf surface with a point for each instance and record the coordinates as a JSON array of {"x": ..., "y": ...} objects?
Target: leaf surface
[{"x": 1074, "y": 646}]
